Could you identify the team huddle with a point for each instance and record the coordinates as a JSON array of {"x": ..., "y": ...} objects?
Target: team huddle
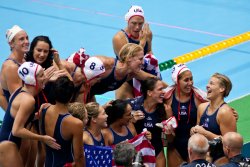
[{"x": 51, "y": 111}]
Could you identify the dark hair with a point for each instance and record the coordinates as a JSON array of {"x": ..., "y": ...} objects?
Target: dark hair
[
  {"x": 63, "y": 88},
  {"x": 116, "y": 110},
  {"x": 148, "y": 84},
  {"x": 30, "y": 57}
]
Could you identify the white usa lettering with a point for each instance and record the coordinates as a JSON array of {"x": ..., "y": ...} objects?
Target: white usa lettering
[{"x": 148, "y": 125}]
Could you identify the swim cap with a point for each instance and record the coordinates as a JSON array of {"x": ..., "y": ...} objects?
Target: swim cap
[
  {"x": 78, "y": 57},
  {"x": 11, "y": 33},
  {"x": 134, "y": 11},
  {"x": 177, "y": 70},
  {"x": 93, "y": 68},
  {"x": 28, "y": 71}
]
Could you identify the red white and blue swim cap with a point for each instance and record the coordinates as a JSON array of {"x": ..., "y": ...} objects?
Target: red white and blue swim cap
[
  {"x": 134, "y": 11},
  {"x": 28, "y": 71}
]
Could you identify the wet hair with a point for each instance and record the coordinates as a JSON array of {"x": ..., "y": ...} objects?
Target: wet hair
[
  {"x": 148, "y": 84},
  {"x": 116, "y": 110},
  {"x": 224, "y": 82},
  {"x": 30, "y": 57},
  {"x": 182, "y": 74},
  {"x": 77, "y": 110},
  {"x": 93, "y": 111},
  {"x": 63, "y": 89},
  {"x": 129, "y": 50}
]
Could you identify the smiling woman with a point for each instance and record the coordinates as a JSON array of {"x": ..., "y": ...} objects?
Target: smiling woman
[
  {"x": 215, "y": 118},
  {"x": 19, "y": 44},
  {"x": 40, "y": 51},
  {"x": 151, "y": 104},
  {"x": 120, "y": 127},
  {"x": 119, "y": 71},
  {"x": 182, "y": 100},
  {"x": 97, "y": 120}
]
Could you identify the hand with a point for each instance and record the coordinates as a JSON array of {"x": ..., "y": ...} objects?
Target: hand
[
  {"x": 43, "y": 106},
  {"x": 235, "y": 113},
  {"x": 58, "y": 74},
  {"x": 197, "y": 129},
  {"x": 51, "y": 142},
  {"x": 168, "y": 129},
  {"x": 142, "y": 36},
  {"x": 145, "y": 35},
  {"x": 49, "y": 72},
  {"x": 37, "y": 114},
  {"x": 192, "y": 131},
  {"x": 147, "y": 31},
  {"x": 168, "y": 108},
  {"x": 138, "y": 115},
  {"x": 148, "y": 135},
  {"x": 55, "y": 55},
  {"x": 109, "y": 103}
]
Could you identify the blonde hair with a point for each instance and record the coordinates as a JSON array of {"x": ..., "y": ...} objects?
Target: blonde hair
[
  {"x": 93, "y": 111},
  {"x": 224, "y": 82},
  {"x": 77, "y": 110},
  {"x": 129, "y": 50}
]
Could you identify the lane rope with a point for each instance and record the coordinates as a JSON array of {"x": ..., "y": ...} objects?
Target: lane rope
[{"x": 204, "y": 51}]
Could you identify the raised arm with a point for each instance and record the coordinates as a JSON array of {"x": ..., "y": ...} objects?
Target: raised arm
[
  {"x": 142, "y": 75},
  {"x": 146, "y": 36},
  {"x": 59, "y": 63}
]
